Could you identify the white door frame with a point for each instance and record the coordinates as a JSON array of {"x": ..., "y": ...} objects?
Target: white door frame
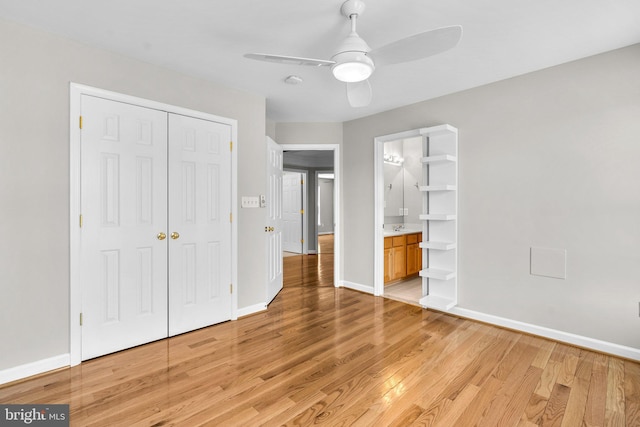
[
  {"x": 378, "y": 205},
  {"x": 337, "y": 272},
  {"x": 75, "y": 290},
  {"x": 305, "y": 227}
]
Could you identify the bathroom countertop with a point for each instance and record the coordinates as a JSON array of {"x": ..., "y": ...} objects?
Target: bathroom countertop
[{"x": 401, "y": 232}]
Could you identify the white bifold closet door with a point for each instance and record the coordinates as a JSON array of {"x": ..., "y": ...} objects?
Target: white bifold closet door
[{"x": 155, "y": 235}]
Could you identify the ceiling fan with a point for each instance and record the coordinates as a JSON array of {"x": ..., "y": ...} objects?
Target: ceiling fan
[{"x": 354, "y": 61}]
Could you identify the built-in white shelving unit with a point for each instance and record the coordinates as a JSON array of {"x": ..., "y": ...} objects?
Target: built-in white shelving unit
[{"x": 439, "y": 217}]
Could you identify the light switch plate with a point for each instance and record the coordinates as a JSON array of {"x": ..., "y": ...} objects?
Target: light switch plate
[{"x": 250, "y": 202}]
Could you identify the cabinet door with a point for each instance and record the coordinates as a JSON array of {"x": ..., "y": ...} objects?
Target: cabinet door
[
  {"x": 414, "y": 254},
  {"x": 414, "y": 259},
  {"x": 399, "y": 262}
]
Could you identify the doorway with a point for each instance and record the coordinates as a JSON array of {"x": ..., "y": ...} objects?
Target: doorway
[
  {"x": 313, "y": 159},
  {"x": 398, "y": 229}
]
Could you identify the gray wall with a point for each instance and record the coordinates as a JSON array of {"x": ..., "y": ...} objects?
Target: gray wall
[
  {"x": 547, "y": 159},
  {"x": 326, "y": 205},
  {"x": 34, "y": 176}
]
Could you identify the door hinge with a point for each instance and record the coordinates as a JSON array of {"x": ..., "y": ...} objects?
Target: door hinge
[
  {"x": 302, "y": 182},
  {"x": 301, "y": 240},
  {"x": 80, "y": 319},
  {"x": 230, "y": 216},
  {"x": 231, "y": 288},
  {"x": 230, "y": 145},
  {"x": 301, "y": 211},
  {"x": 80, "y": 220},
  {"x": 80, "y": 122}
]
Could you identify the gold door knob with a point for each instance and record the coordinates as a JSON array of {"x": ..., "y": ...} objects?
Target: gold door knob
[
  {"x": 161, "y": 236},
  {"x": 175, "y": 235}
]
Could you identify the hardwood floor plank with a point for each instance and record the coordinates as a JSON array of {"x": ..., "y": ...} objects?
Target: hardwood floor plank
[
  {"x": 515, "y": 391},
  {"x": 615, "y": 402},
  {"x": 597, "y": 396},
  {"x": 331, "y": 356},
  {"x": 449, "y": 410},
  {"x": 548, "y": 379},
  {"x": 534, "y": 410},
  {"x": 632, "y": 393},
  {"x": 555, "y": 409},
  {"x": 576, "y": 405},
  {"x": 474, "y": 413}
]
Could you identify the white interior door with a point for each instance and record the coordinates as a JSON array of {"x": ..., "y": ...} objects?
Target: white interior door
[
  {"x": 199, "y": 223},
  {"x": 274, "y": 219},
  {"x": 292, "y": 212},
  {"x": 124, "y": 218}
]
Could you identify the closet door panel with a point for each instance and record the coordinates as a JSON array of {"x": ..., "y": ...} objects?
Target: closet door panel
[
  {"x": 123, "y": 204},
  {"x": 199, "y": 223}
]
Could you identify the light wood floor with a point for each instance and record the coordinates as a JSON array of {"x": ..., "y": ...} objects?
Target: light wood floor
[
  {"x": 327, "y": 356},
  {"x": 311, "y": 270}
]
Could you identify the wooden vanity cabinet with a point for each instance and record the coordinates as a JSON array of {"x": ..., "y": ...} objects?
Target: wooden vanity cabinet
[{"x": 402, "y": 256}]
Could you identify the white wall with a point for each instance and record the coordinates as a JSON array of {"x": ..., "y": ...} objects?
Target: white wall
[
  {"x": 549, "y": 159},
  {"x": 34, "y": 176}
]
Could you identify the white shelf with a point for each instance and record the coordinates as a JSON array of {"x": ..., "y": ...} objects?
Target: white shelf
[
  {"x": 441, "y": 246},
  {"x": 437, "y": 217},
  {"x": 433, "y": 273},
  {"x": 438, "y": 188},
  {"x": 438, "y": 303},
  {"x": 439, "y": 130},
  {"x": 443, "y": 158}
]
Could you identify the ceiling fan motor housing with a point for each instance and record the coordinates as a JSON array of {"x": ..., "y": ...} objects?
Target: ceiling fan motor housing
[{"x": 352, "y": 62}]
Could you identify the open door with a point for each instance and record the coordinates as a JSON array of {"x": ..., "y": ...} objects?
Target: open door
[
  {"x": 273, "y": 227},
  {"x": 292, "y": 212}
]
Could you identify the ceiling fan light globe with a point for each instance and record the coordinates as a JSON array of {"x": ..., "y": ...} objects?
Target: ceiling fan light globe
[{"x": 352, "y": 67}]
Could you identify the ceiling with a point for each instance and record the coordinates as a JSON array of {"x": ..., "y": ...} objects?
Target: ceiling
[{"x": 208, "y": 38}]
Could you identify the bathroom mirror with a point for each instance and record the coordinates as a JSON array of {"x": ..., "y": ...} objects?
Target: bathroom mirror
[{"x": 402, "y": 175}]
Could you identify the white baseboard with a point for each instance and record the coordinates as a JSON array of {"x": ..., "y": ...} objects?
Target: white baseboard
[
  {"x": 34, "y": 368},
  {"x": 566, "y": 337},
  {"x": 252, "y": 309},
  {"x": 357, "y": 287}
]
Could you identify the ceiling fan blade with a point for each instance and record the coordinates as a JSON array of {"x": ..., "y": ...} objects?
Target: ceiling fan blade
[
  {"x": 417, "y": 47},
  {"x": 359, "y": 94},
  {"x": 290, "y": 60}
]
